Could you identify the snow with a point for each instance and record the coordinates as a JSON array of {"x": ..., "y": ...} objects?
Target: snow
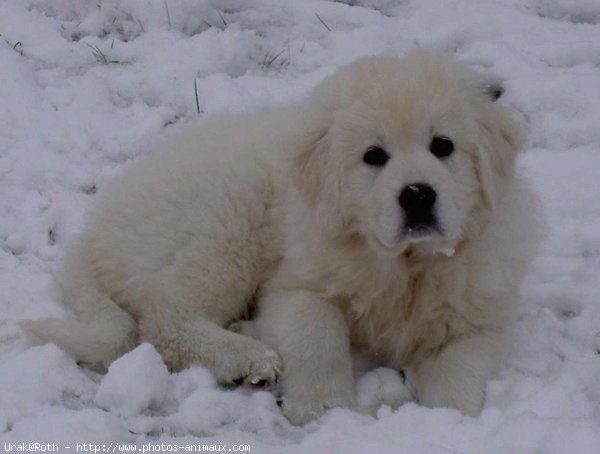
[
  {"x": 87, "y": 85},
  {"x": 136, "y": 381}
]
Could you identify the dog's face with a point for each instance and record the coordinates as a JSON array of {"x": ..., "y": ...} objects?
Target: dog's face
[{"x": 404, "y": 152}]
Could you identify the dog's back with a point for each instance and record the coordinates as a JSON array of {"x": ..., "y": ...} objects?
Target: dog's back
[{"x": 182, "y": 231}]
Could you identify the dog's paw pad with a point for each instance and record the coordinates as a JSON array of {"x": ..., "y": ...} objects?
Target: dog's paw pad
[
  {"x": 264, "y": 374},
  {"x": 259, "y": 383},
  {"x": 252, "y": 383},
  {"x": 250, "y": 364},
  {"x": 238, "y": 381}
]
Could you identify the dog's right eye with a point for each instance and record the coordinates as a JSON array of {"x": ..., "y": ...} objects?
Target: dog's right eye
[
  {"x": 376, "y": 157},
  {"x": 441, "y": 147}
]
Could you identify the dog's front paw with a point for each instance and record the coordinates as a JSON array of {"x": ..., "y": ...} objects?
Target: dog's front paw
[
  {"x": 382, "y": 386},
  {"x": 247, "y": 362},
  {"x": 299, "y": 411}
]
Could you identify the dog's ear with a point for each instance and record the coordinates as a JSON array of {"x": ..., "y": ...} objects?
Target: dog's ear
[
  {"x": 307, "y": 163},
  {"x": 500, "y": 140},
  {"x": 316, "y": 170},
  {"x": 316, "y": 175}
]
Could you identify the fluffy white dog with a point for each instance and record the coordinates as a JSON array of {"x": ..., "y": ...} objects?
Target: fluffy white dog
[{"x": 382, "y": 213}]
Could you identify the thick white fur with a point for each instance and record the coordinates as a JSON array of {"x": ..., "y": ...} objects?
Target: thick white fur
[{"x": 279, "y": 208}]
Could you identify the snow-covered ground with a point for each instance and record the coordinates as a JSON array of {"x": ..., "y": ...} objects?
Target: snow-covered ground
[{"x": 87, "y": 85}]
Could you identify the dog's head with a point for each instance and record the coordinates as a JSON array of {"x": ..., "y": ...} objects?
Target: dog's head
[{"x": 403, "y": 152}]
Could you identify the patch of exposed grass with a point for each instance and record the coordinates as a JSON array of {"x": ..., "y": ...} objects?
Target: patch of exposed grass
[
  {"x": 197, "y": 99},
  {"x": 279, "y": 60},
  {"x": 17, "y": 47},
  {"x": 323, "y": 22},
  {"x": 101, "y": 57}
]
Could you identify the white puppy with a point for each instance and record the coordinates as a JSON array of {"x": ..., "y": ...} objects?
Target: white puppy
[{"x": 384, "y": 213}]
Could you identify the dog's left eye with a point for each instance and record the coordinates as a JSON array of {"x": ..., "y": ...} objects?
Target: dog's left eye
[
  {"x": 376, "y": 157},
  {"x": 441, "y": 147}
]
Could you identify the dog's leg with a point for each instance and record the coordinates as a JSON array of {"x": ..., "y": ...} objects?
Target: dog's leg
[
  {"x": 311, "y": 336},
  {"x": 457, "y": 376},
  {"x": 232, "y": 358}
]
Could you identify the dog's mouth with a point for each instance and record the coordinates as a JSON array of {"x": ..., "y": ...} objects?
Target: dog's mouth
[
  {"x": 418, "y": 231},
  {"x": 409, "y": 236}
]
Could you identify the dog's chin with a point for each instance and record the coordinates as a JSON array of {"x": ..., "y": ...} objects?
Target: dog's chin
[{"x": 426, "y": 241}]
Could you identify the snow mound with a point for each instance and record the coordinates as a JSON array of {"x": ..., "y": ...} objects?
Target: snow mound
[{"x": 135, "y": 382}]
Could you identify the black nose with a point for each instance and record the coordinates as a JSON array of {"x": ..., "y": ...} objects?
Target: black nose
[{"x": 417, "y": 200}]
